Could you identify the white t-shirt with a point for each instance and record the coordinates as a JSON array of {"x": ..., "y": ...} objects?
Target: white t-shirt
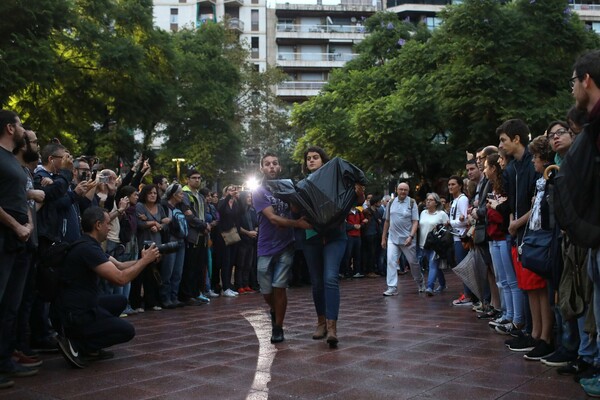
[
  {"x": 427, "y": 222},
  {"x": 459, "y": 207}
]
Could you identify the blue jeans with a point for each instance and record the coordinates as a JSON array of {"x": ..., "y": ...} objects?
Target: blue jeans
[
  {"x": 434, "y": 269},
  {"x": 171, "y": 269},
  {"x": 593, "y": 268},
  {"x": 506, "y": 280},
  {"x": 323, "y": 262}
]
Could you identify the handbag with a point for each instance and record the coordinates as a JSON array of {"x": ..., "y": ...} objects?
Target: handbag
[
  {"x": 231, "y": 236},
  {"x": 534, "y": 252},
  {"x": 479, "y": 234}
]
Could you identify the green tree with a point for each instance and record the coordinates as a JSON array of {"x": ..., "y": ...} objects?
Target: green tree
[
  {"x": 413, "y": 104},
  {"x": 202, "y": 127}
]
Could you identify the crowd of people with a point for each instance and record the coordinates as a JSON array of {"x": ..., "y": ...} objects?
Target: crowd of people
[{"x": 137, "y": 247}]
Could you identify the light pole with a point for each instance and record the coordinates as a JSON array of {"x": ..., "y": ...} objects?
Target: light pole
[{"x": 178, "y": 161}]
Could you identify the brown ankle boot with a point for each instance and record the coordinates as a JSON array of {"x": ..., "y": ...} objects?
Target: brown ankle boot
[
  {"x": 332, "y": 339},
  {"x": 321, "y": 330}
]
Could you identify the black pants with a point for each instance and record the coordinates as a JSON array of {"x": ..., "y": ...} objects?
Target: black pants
[
  {"x": 193, "y": 279},
  {"x": 101, "y": 327}
]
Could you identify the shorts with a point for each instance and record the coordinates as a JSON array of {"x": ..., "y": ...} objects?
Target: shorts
[{"x": 274, "y": 271}]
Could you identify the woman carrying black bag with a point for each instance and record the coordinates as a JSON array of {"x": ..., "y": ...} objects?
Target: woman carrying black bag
[
  {"x": 430, "y": 218},
  {"x": 542, "y": 315}
]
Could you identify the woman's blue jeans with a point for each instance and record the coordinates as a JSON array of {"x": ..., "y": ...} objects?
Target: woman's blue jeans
[
  {"x": 434, "y": 269},
  {"x": 506, "y": 280},
  {"x": 323, "y": 262},
  {"x": 171, "y": 270}
]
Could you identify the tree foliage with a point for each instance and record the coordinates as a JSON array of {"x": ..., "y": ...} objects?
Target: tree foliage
[
  {"x": 413, "y": 102},
  {"x": 97, "y": 74}
]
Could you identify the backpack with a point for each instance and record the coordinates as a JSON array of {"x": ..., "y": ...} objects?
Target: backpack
[
  {"x": 125, "y": 231},
  {"x": 389, "y": 206},
  {"x": 577, "y": 190},
  {"x": 50, "y": 268},
  {"x": 178, "y": 226}
]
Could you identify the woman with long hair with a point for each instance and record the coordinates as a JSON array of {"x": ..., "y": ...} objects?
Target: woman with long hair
[
  {"x": 458, "y": 222},
  {"x": 498, "y": 217},
  {"x": 324, "y": 252},
  {"x": 151, "y": 220}
]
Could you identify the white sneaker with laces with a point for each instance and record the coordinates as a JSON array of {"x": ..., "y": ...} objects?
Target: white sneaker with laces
[
  {"x": 229, "y": 293},
  {"x": 211, "y": 293},
  {"x": 391, "y": 291}
]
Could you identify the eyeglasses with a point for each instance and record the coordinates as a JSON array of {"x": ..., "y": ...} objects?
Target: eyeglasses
[
  {"x": 572, "y": 81},
  {"x": 557, "y": 133}
]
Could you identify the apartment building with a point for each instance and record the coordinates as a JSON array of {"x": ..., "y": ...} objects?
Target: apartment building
[{"x": 308, "y": 40}]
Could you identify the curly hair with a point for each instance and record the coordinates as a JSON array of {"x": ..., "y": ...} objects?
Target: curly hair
[{"x": 540, "y": 146}]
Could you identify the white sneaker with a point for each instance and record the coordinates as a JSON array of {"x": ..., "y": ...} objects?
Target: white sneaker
[
  {"x": 211, "y": 293},
  {"x": 391, "y": 291},
  {"x": 229, "y": 293}
]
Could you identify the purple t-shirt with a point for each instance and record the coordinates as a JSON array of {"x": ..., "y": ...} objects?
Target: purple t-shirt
[{"x": 271, "y": 239}]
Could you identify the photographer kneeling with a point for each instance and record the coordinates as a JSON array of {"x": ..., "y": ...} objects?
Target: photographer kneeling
[{"x": 91, "y": 322}]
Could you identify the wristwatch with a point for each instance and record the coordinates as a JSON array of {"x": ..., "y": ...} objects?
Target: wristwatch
[{"x": 411, "y": 236}]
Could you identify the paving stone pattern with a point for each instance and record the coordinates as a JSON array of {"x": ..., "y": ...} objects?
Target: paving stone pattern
[{"x": 404, "y": 347}]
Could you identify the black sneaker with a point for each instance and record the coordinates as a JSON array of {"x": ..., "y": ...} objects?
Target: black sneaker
[
  {"x": 97, "y": 356},
  {"x": 277, "y": 335},
  {"x": 45, "y": 346},
  {"x": 521, "y": 344},
  {"x": 69, "y": 353},
  {"x": 574, "y": 367},
  {"x": 541, "y": 350},
  {"x": 560, "y": 358},
  {"x": 588, "y": 373}
]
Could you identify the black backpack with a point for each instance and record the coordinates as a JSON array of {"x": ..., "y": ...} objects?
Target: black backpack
[
  {"x": 577, "y": 190},
  {"x": 50, "y": 268}
]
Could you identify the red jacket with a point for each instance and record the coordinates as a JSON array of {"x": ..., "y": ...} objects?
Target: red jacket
[{"x": 354, "y": 219}]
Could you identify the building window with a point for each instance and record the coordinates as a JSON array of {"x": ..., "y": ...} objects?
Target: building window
[
  {"x": 182, "y": 1},
  {"x": 254, "y": 2},
  {"x": 254, "y": 20},
  {"x": 174, "y": 16},
  {"x": 254, "y": 48},
  {"x": 174, "y": 27}
]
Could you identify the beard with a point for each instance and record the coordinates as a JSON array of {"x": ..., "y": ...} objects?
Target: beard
[
  {"x": 582, "y": 101},
  {"x": 29, "y": 155}
]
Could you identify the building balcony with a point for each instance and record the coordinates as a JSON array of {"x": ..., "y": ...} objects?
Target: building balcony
[
  {"x": 234, "y": 3},
  {"x": 299, "y": 89},
  {"x": 314, "y": 9},
  {"x": 236, "y": 24},
  {"x": 587, "y": 12},
  {"x": 314, "y": 60},
  {"x": 329, "y": 31}
]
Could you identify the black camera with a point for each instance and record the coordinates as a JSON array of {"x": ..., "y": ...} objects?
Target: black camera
[{"x": 165, "y": 248}]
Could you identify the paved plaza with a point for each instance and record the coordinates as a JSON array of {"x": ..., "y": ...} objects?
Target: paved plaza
[{"x": 403, "y": 347}]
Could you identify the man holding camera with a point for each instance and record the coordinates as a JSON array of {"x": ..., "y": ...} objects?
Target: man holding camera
[{"x": 91, "y": 322}]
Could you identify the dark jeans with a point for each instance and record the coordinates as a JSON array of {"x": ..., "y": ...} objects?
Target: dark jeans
[
  {"x": 223, "y": 258},
  {"x": 353, "y": 253},
  {"x": 11, "y": 301},
  {"x": 244, "y": 264},
  {"x": 369, "y": 253},
  {"x": 194, "y": 271},
  {"x": 146, "y": 278},
  {"x": 101, "y": 327}
]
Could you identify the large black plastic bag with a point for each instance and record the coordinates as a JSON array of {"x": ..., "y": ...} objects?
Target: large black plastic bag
[{"x": 325, "y": 196}]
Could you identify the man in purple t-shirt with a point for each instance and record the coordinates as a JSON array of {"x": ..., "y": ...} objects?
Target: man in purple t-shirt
[{"x": 275, "y": 245}]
